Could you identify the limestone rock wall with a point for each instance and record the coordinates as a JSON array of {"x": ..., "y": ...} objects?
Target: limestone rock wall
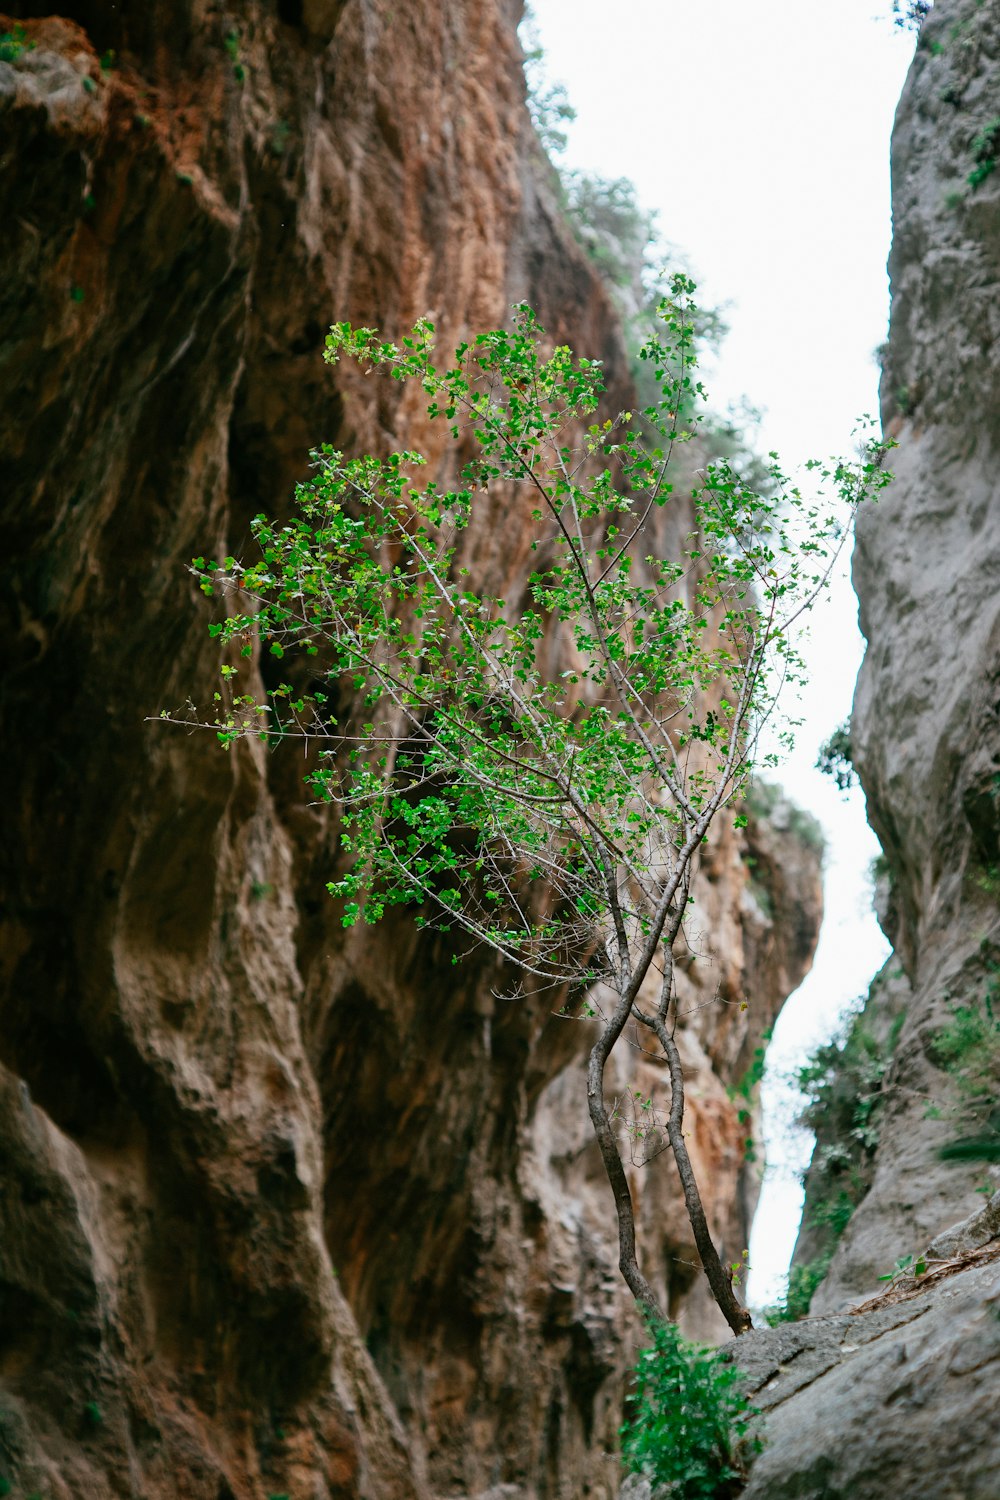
[
  {"x": 283, "y": 1212},
  {"x": 926, "y": 725},
  {"x": 890, "y": 1400}
]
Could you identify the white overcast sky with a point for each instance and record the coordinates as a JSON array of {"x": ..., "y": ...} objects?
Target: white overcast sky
[{"x": 760, "y": 133}]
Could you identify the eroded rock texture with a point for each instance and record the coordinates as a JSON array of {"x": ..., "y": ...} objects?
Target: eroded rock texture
[
  {"x": 883, "y": 1403},
  {"x": 926, "y": 725},
  {"x": 283, "y": 1213}
]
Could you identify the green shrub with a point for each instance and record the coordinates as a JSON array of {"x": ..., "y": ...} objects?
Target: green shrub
[
  {"x": 765, "y": 796},
  {"x": 910, "y": 14},
  {"x": 968, "y": 1047},
  {"x": 689, "y": 1426},
  {"x": 13, "y": 44},
  {"x": 985, "y": 152},
  {"x": 802, "y": 1283},
  {"x": 842, "y": 1082},
  {"x": 836, "y": 758}
]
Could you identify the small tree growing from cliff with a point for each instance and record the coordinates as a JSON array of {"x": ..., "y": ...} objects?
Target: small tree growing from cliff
[{"x": 539, "y": 771}]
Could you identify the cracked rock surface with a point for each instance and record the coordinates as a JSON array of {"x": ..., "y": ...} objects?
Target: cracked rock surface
[{"x": 888, "y": 1403}]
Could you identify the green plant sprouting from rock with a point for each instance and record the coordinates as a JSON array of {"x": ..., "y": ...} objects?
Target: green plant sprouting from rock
[
  {"x": 552, "y": 813},
  {"x": 911, "y": 14},
  {"x": 13, "y": 44},
  {"x": 745, "y": 1091},
  {"x": 968, "y": 1048},
  {"x": 836, "y": 758},
  {"x": 985, "y": 153},
  {"x": 843, "y": 1084},
  {"x": 689, "y": 1426}
]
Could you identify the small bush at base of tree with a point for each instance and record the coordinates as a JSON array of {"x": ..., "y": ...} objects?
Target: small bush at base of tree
[
  {"x": 538, "y": 773},
  {"x": 690, "y": 1428}
]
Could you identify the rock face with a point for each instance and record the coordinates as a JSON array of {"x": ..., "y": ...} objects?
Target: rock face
[
  {"x": 926, "y": 727},
  {"x": 894, "y": 1401},
  {"x": 283, "y": 1213}
]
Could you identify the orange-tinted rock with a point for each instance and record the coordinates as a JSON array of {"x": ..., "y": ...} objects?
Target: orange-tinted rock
[{"x": 280, "y": 1211}]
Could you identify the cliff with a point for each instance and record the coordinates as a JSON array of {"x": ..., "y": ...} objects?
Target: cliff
[
  {"x": 283, "y": 1212},
  {"x": 895, "y": 1397},
  {"x": 925, "y": 733}
]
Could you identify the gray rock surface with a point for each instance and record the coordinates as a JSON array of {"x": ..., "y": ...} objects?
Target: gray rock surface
[
  {"x": 899, "y": 1398},
  {"x": 926, "y": 723},
  {"x": 970, "y": 1233},
  {"x": 891, "y": 1403}
]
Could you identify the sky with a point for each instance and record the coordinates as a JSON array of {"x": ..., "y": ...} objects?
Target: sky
[{"x": 760, "y": 134}]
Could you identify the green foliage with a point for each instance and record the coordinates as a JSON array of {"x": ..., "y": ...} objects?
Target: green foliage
[
  {"x": 4, "y": 1483},
  {"x": 968, "y": 1047},
  {"x": 535, "y": 773},
  {"x": 231, "y": 42},
  {"x": 548, "y": 103},
  {"x": 985, "y": 153},
  {"x": 802, "y": 1283},
  {"x": 910, "y": 14},
  {"x": 744, "y": 1092},
  {"x": 906, "y": 1267},
  {"x": 750, "y": 1081},
  {"x": 842, "y": 1082},
  {"x": 472, "y": 777},
  {"x": 689, "y": 1426},
  {"x": 834, "y": 1212},
  {"x": 13, "y": 44},
  {"x": 93, "y": 1417},
  {"x": 835, "y": 758},
  {"x": 764, "y": 798}
]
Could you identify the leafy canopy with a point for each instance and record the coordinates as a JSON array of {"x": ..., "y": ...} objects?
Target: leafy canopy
[
  {"x": 577, "y": 737},
  {"x": 689, "y": 1427}
]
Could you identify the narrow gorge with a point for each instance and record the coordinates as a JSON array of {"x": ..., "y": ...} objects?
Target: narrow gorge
[
  {"x": 900, "y": 1397},
  {"x": 284, "y": 1210},
  {"x": 294, "y": 1213}
]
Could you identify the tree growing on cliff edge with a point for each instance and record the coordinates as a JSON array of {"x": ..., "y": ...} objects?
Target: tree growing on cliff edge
[{"x": 539, "y": 770}]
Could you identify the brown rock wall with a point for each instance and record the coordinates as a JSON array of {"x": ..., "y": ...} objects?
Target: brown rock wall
[{"x": 280, "y": 1211}]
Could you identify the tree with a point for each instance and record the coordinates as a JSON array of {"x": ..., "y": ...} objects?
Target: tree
[
  {"x": 911, "y": 14},
  {"x": 539, "y": 772}
]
